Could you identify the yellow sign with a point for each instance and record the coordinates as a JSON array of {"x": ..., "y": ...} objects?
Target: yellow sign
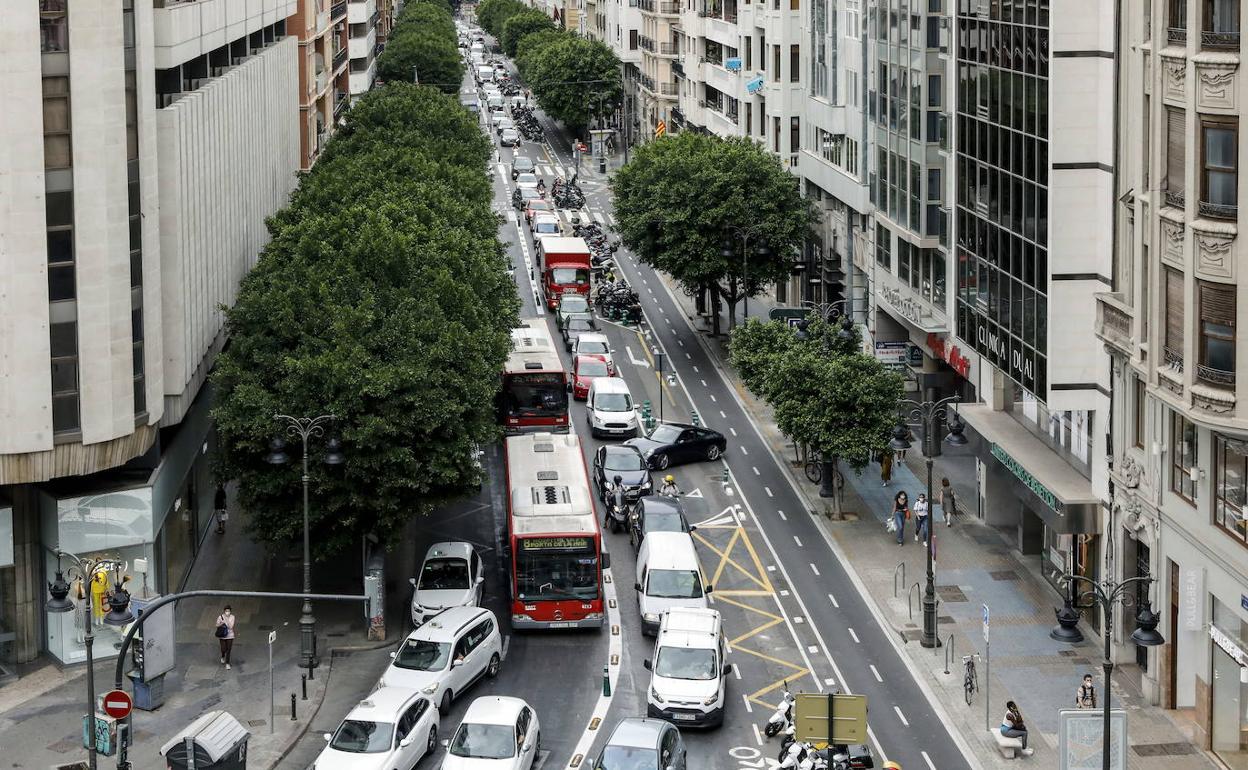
[
  {"x": 660, "y": 129},
  {"x": 849, "y": 719}
]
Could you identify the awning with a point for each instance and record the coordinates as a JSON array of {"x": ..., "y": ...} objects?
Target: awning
[{"x": 1054, "y": 490}]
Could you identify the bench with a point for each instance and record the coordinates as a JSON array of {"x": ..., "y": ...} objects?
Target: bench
[{"x": 1009, "y": 747}]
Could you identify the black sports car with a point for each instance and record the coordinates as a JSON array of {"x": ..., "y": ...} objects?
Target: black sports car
[
  {"x": 626, "y": 462},
  {"x": 672, "y": 442}
]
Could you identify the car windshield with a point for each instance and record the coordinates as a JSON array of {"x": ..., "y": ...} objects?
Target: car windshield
[
  {"x": 548, "y": 227},
  {"x": 591, "y": 346},
  {"x": 613, "y": 402},
  {"x": 573, "y": 303},
  {"x": 360, "y": 737},
  {"x": 484, "y": 741},
  {"x": 593, "y": 368},
  {"x": 665, "y": 434},
  {"x": 674, "y": 584},
  {"x": 556, "y": 569},
  {"x": 522, "y": 164},
  {"x": 444, "y": 574},
  {"x": 627, "y": 758},
  {"x": 623, "y": 461},
  {"x": 423, "y": 655},
  {"x": 535, "y": 394},
  {"x": 505, "y": 123},
  {"x": 665, "y": 522},
  {"x": 684, "y": 663},
  {"x": 537, "y": 204},
  {"x": 566, "y": 275}
]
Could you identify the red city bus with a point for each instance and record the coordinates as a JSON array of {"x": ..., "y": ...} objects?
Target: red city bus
[
  {"x": 534, "y": 394},
  {"x": 556, "y": 545}
]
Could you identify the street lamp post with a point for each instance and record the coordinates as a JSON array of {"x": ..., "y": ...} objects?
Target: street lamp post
[
  {"x": 1105, "y": 594},
  {"x": 305, "y": 428},
  {"x": 928, "y": 415},
  {"x": 745, "y": 234},
  {"x": 118, "y": 615}
]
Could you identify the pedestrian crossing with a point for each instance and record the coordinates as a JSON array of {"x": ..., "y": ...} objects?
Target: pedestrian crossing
[{"x": 584, "y": 215}]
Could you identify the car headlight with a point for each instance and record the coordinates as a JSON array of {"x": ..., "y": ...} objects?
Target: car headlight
[
  {"x": 598, "y": 420},
  {"x": 655, "y": 695},
  {"x": 430, "y": 689},
  {"x": 650, "y": 617},
  {"x": 711, "y": 700}
]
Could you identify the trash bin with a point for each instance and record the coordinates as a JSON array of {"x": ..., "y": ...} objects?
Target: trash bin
[
  {"x": 149, "y": 695},
  {"x": 215, "y": 741}
]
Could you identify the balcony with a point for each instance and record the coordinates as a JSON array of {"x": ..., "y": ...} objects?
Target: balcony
[
  {"x": 1218, "y": 210},
  {"x": 645, "y": 43},
  {"x": 340, "y": 58},
  {"x": 1218, "y": 378},
  {"x": 1113, "y": 322},
  {"x": 678, "y": 67},
  {"x": 668, "y": 49},
  {"x": 669, "y": 89},
  {"x": 1173, "y": 359},
  {"x": 1175, "y": 199},
  {"x": 341, "y": 101},
  {"x": 1220, "y": 41},
  {"x": 1177, "y": 35},
  {"x": 338, "y": 10},
  {"x": 646, "y": 82}
]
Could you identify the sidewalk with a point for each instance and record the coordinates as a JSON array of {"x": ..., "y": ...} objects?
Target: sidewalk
[
  {"x": 975, "y": 565},
  {"x": 40, "y": 726}
]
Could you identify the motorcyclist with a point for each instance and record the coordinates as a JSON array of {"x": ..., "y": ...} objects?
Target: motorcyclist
[
  {"x": 541, "y": 187},
  {"x": 617, "y": 491},
  {"x": 669, "y": 488}
]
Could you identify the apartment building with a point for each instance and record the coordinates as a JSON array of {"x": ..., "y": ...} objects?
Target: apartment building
[
  {"x": 321, "y": 26},
  {"x": 149, "y": 144},
  {"x": 362, "y": 20},
  {"x": 1179, "y": 457}
]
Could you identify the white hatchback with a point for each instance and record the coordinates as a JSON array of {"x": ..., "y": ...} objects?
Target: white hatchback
[
  {"x": 497, "y": 733},
  {"x": 450, "y": 576},
  {"x": 592, "y": 344},
  {"x": 446, "y": 655},
  {"x": 391, "y": 728}
]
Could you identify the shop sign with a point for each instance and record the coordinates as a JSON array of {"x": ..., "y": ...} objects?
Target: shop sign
[
  {"x": 950, "y": 354},
  {"x": 1228, "y": 645},
  {"x": 1193, "y": 599},
  {"x": 898, "y": 355},
  {"x": 733, "y": 64},
  {"x": 755, "y": 85},
  {"x": 1243, "y": 601},
  {"x": 1023, "y": 475}
]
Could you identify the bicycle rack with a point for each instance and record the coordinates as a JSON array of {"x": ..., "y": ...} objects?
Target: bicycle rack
[
  {"x": 910, "y": 597},
  {"x": 900, "y": 566},
  {"x": 948, "y": 653}
]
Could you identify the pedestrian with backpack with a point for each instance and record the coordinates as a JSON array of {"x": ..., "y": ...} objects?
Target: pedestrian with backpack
[{"x": 225, "y": 634}]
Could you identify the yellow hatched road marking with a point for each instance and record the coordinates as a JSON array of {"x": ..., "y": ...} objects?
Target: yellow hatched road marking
[{"x": 725, "y": 559}]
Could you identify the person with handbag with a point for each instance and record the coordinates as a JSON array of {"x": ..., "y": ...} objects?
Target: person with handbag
[
  {"x": 225, "y": 634},
  {"x": 948, "y": 501},
  {"x": 901, "y": 512}
]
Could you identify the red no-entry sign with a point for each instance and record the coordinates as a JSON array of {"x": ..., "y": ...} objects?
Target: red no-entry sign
[{"x": 117, "y": 704}]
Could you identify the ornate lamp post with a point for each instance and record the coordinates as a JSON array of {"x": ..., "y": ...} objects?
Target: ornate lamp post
[
  {"x": 745, "y": 235},
  {"x": 118, "y": 615},
  {"x": 928, "y": 415},
  {"x": 1105, "y": 594},
  {"x": 305, "y": 428}
]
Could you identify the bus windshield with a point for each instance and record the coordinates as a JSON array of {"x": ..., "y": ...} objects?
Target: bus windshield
[
  {"x": 554, "y": 575},
  {"x": 535, "y": 394}
]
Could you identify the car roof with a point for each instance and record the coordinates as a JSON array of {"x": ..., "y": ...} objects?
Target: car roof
[
  {"x": 618, "y": 449},
  {"x": 383, "y": 704},
  {"x": 637, "y": 732},
  {"x": 670, "y": 550},
  {"x": 449, "y": 622},
  {"x": 585, "y": 357},
  {"x": 522, "y": 159},
  {"x": 539, "y": 200},
  {"x": 449, "y": 548},
  {"x": 689, "y": 626},
  {"x": 610, "y": 384},
  {"x": 596, "y": 337},
  {"x": 661, "y": 504},
  {"x": 493, "y": 710},
  {"x": 546, "y": 216}
]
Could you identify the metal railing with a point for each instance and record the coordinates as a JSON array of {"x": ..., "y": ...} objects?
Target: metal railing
[
  {"x": 338, "y": 10},
  {"x": 669, "y": 9},
  {"x": 914, "y": 590},
  {"x": 1220, "y": 40},
  {"x": 948, "y": 652},
  {"x": 340, "y": 57},
  {"x": 1176, "y": 34},
  {"x": 1176, "y": 199},
  {"x": 902, "y": 567},
  {"x": 1218, "y": 210},
  {"x": 669, "y": 89},
  {"x": 1217, "y": 377},
  {"x": 668, "y": 49},
  {"x": 1173, "y": 358}
]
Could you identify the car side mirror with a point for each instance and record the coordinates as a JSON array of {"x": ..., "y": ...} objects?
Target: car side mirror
[
  {"x": 709, "y": 589},
  {"x": 412, "y": 581},
  {"x": 394, "y": 655},
  {"x": 457, "y": 663},
  {"x": 636, "y": 586},
  {"x": 480, "y": 579},
  {"x": 445, "y": 742},
  {"x": 693, "y": 527},
  {"x": 406, "y": 742},
  {"x": 327, "y": 736},
  {"x": 646, "y": 664},
  {"x": 727, "y": 669}
]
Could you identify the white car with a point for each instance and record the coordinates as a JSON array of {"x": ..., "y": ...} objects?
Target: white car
[
  {"x": 450, "y": 576},
  {"x": 499, "y": 121},
  {"x": 497, "y": 733},
  {"x": 527, "y": 179},
  {"x": 391, "y": 728},
  {"x": 447, "y": 655},
  {"x": 546, "y": 224},
  {"x": 593, "y": 344}
]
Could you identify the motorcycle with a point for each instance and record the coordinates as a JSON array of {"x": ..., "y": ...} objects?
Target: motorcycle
[
  {"x": 783, "y": 716},
  {"x": 621, "y": 507},
  {"x": 634, "y": 527}
]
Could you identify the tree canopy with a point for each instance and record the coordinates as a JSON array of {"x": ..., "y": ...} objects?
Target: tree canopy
[
  {"x": 574, "y": 79},
  {"x": 533, "y": 43},
  {"x": 522, "y": 24},
  {"x": 491, "y": 14},
  {"x": 424, "y": 43},
  {"x": 383, "y": 299},
  {"x": 698, "y": 206}
]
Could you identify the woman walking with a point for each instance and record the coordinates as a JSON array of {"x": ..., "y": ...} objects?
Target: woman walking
[
  {"x": 948, "y": 501},
  {"x": 901, "y": 512},
  {"x": 920, "y": 518},
  {"x": 225, "y": 634},
  {"x": 886, "y": 466}
]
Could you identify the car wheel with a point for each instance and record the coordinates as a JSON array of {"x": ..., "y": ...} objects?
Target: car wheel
[
  {"x": 662, "y": 461},
  {"x": 445, "y": 706},
  {"x": 713, "y": 453},
  {"x": 492, "y": 670},
  {"x": 431, "y": 745}
]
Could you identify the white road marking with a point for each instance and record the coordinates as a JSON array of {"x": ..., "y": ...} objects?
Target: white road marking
[
  {"x": 768, "y": 491},
  {"x": 695, "y": 368},
  {"x": 634, "y": 360},
  {"x": 784, "y": 592},
  {"x": 901, "y": 716},
  {"x": 615, "y": 650},
  {"x": 744, "y": 451},
  {"x": 755, "y": 469},
  {"x": 733, "y": 430},
  {"x": 681, "y": 343},
  {"x": 928, "y": 760},
  {"x": 502, "y": 169},
  {"x": 758, "y": 737},
  {"x": 813, "y": 648},
  {"x": 876, "y": 672},
  {"x": 704, "y": 383},
  {"x": 797, "y": 540},
  {"x": 830, "y": 682},
  {"x": 721, "y": 414},
  {"x": 688, "y": 356},
  {"x": 851, "y": 633},
  {"x": 736, "y": 670},
  {"x": 610, "y": 219},
  {"x": 746, "y": 699},
  {"x": 832, "y": 599},
  {"x": 598, "y": 217},
  {"x": 814, "y": 569},
  {"x": 799, "y": 619},
  {"x": 782, "y": 516},
  {"x": 712, "y": 395}
]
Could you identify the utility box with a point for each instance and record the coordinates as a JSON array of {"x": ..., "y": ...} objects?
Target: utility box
[{"x": 215, "y": 741}]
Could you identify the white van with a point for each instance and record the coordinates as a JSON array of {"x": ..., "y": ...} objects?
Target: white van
[
  {"x": 668, "y": 576},
  {"x": 609, "y": 408},
  {"x": 485, "y": 73},
  {"x": 689, "y": 670},
  {"x": 495, "y": 103}
]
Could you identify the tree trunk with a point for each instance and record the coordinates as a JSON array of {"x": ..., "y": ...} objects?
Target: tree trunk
[
  {"x": 715, "y": 312},
  {"x": 829, "y": 488},
  {"x": 731, "y": 298}
]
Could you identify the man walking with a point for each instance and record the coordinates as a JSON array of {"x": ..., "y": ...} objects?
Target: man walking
[{"x": 1085, "y": 696}]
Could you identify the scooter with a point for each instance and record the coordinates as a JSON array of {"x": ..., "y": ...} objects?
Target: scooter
[
  {"x": 796, "y": 756},
  {"x": 783, "y": 716},
  {"x": 619, "y": 508}
]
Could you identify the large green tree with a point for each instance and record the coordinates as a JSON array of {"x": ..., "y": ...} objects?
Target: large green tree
[
  {"x": 529, "y": 46},
  {"x": 698, "y": 207},
  {"x": 517, "y": 27},
  {"x": 491, "y": 14},
  {"x": 423, "y": 42},
  {"x": 575, "y": 80},
  {"x": 382, "y": 298}
]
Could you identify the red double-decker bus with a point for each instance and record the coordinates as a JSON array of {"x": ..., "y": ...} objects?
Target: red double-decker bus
[
  {"x": 556, "y": 545},
  {"x": 534, "y": 393}
]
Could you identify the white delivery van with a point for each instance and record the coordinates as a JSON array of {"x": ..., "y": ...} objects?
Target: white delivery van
[
  {"x": 668, "y": 576},
  {"x": 689, "y": 673},
  {"x": 485, "y": 73},
  {"x": 610, "y": 410}
]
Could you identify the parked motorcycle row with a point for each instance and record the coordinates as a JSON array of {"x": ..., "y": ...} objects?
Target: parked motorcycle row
[
  {"x": 567, "y": 195},
  {"x": 618, "y": 302},
  {"x": 526, "y": 121},
  {"x": 802, "y": 755}
]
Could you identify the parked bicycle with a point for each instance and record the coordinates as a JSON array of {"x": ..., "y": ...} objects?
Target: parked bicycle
[
  {"x": 970, "y": 681},
  {"x": 814, "y": 470}
]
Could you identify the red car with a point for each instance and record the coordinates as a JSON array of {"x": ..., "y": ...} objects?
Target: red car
[{"x": 585, "y": 369}]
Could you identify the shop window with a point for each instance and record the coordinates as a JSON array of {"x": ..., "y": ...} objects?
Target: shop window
[
  {"x": 1182, "y": 457},
  {"x": 1219, "y": 168},
  {"x": 883, "y": 247},
  {"x": 1231, "y": 467},
  {"x": 1228, "y": 731},
  {"x": 1217, "y": 334}
]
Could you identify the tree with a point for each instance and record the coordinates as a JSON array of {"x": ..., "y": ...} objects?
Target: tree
[
  {"x": 383, "y": 298},
  {"x": 530, "y": 45},
  {"x": 517, "y": 27},
  {"x": 491, "y": 14},
  {"x": 753, "y": 349},
  {"x": 423, "y": 42},
  {"x": 575, "y": 79},
  {"x": 679, "y": 199}
]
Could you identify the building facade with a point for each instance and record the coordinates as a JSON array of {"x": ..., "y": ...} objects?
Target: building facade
[
  {"x": 1169, "y": 322},
  {"x": 324, "y": 91},
  {"x": 362, "y": 20},
  {"x": 152, "y": 148}
]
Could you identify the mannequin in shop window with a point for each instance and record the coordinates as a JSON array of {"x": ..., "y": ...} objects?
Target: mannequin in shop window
[{"x": 99, "y": 595}]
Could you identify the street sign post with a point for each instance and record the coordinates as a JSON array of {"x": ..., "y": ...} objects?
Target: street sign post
[
  {"x": 272, "y": 639},
  {"x": 118, "y": 703},
  {"x": 659, "y": 359},
  {"x": 812, "y": 712},
  {"x": 987, "y": 670}
]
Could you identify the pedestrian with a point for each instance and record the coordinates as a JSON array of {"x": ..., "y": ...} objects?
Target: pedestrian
[
  {"x": 948, "y": 502},
  {"x": 1085, "y": 696},
  {"x": 219, "y": 502},
  {"x": 225, "y": 634},
  {"x": 886, "y": 466},
  {"x": 920, "y": 518},
  {"x": 1012, "y": 726},
  {"x": 901, "y": 512}
]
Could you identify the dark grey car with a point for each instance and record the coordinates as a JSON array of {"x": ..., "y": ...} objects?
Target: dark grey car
[
  {"x": 522, "y": 165},
  {"x": 642, "y": 744},
  {"x": 614, "y": 460},
  {"x": 660, "y": 513}
]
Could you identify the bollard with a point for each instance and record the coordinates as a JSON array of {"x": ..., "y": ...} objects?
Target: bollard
[
  {"x": 304, "y": 677},
  {"x": 725, "y": 475},
  {"x": 606, "y": 682},
  {"x": 292, "y": 707},
  {"x": 693, "y": 414}
]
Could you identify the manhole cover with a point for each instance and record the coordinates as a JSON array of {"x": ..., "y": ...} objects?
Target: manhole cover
[
  {"x": 255, "y": 723},
  {"x": 1005, "y": 574},
  {"x": 951, "y": 593}
]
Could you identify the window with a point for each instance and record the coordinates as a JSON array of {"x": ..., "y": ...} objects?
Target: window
[
  {"x": 56, "y": 144},
  {"x": 795, "y": 63},
  {"x": 64, "y": 350},
  {"x": 1182, "y": 457},
  {"x": 632, "y": 40},
  {"x": 54, "y": 25},
  {"x": 1217, "y": 333},
  {"x": 1140, "y": 394},
  {"x": 1173, "y": 343},
  {"x": 1219, "y": 163},
  {"x": 852, "y": 18},
  {"x": 775, "y": 63},
  {"x": 883, "y": 246},
  {"x": 903, "y": 261},
  {"x": 1231, "y": 469},
  {"x": 749, "y": 52},
  {"x": 933, "y": 184},
  {"x": 1220, "y": 24},
  {"x": 795, "y": 134},
  {"x": 1176, "y": 146},
  {"x": 775, "y": 130}
]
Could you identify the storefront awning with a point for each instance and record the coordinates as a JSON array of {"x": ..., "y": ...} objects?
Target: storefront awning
[{"x": 1055, "y": 491}]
